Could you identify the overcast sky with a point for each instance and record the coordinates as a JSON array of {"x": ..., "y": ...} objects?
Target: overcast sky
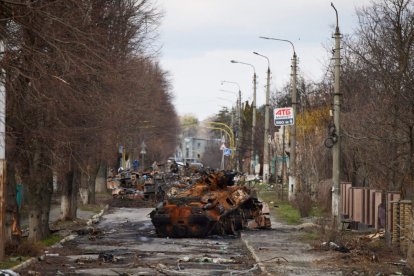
[{"x": 200, "y": 37}]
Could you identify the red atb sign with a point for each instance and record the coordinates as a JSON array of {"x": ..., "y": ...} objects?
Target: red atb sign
[{"x": 283, "y": 116}]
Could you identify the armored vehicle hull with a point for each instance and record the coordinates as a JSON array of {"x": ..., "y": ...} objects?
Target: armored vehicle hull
[{"x": 212, "y": 206}]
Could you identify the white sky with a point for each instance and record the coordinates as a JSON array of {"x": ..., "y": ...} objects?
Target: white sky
[{"x": 200, "y": 37}]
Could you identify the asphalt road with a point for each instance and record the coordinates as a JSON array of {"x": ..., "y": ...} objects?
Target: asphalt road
[{"x": 124, "y": 243}]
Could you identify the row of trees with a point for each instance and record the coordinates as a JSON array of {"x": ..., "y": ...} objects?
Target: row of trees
[{"x": 80, "y": 81}]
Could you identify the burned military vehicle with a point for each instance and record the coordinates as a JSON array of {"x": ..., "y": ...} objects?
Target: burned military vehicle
[{"x": 211, "y": 206}]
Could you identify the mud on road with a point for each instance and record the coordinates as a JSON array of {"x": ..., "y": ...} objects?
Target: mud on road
[{"x": 124, "y": 242}]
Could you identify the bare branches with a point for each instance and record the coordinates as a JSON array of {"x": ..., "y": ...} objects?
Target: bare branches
[{"x": 76, "y": 84}]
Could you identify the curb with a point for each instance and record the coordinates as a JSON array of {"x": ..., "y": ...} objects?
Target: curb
[
  {"x": 93, "y": 220},
  {"x": 256, "y": 258}
]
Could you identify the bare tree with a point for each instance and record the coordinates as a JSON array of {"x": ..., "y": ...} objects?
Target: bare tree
[
  {"x": 379, "y": 94},
  {"x": 73, "y": 90}
]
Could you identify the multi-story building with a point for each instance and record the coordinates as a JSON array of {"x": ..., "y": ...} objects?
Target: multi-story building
[{"x": 191, "y": 149}]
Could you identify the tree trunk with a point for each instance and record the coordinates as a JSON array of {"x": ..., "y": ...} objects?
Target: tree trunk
[
  {"x": 74, "y": 195},
  {"x": 88, "y": 178},
  {"x": 66, "y": 196},
  {"x": 38, "y": 178},
  {"x": 93, "y": 172},
  {"x": 46, "y": 199},
  {"x": 40, "y": 194},
  {"x": 12, "y": 225},
  {"x": 83, "y": 189},
  {"x": 34, "y": 223},
  {"x": 410, "y": 251},
  {"x": 68, "y": 206},
  {"x": 100, "y": 182}
]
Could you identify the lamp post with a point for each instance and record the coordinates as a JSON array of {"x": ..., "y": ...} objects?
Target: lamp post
[
  {"x": 336, "y": 150},
  {"x": 266, "y": 125},
  {"x": 292, "y": 157},
  {"x": 239, "y": 129},
  {"x": 251, "y": 170}
]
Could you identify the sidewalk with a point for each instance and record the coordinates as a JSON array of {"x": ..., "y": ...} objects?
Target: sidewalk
[
  {"x": 89, "y": 217},
  {"x": 280, "y": 252},
  {"x": 55, "y": 213}
]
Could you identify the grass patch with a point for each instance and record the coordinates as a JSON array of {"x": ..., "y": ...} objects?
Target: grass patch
[
  {"x": 91, "y": 208},
  {"x": 12, "y": 262},
  {"x": 317, "y": 211},
  {"x": 24, "y": 248},
  {"x": 288, "y": 213},
  {"x": 51, "y": 240},
  {"x": 281, "y": 209},
  {"x": 311, "y": 236},
  {"x": 267, "y": 196}
]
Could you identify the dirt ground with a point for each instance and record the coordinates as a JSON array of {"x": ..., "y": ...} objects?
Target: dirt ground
[{"x": 363, "y": 252}]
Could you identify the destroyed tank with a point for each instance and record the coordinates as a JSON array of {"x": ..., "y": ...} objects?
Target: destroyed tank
[{"x": 211, "y": 206}]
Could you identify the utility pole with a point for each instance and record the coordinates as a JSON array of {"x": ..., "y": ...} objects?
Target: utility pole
[
  {"x": 239, "y": 123},
  {"x": 283, "y": 161},
  {"x": 239, "y": 135},
  {"x": 266, "y": 125},
  {"x": 3, "y": 193},
  {"x": 266, "y": 131},
  {"x": 253, "y": 157},
  {"x": 336, "y": 150},
  {"x": 292, "y": 158},
  {"x": 252, "y": 154}
]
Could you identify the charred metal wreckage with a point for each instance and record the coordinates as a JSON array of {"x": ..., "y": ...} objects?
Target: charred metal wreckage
[{"x": 213, "y": 205}]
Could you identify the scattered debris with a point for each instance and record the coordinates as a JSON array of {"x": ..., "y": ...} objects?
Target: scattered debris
[
  {"x": 377, "y": 235},
  {"x": 334, "y": 246},
  {"x": 107, "y": 258},
  {"x": 84, "y": 260},
  {"x": 52, "y": 254},
  {"x": 206, "y": 259}
]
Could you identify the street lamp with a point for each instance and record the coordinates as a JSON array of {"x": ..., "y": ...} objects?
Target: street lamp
[
  {"x": 232, "y": 112},
  {"x": 239, "y": 130},
  {"x": 266, "y": 125},
  {"x": 292, "y": 157},
  {"x": 253, "y": 116},
  {"x": 336, "y": 150}
]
